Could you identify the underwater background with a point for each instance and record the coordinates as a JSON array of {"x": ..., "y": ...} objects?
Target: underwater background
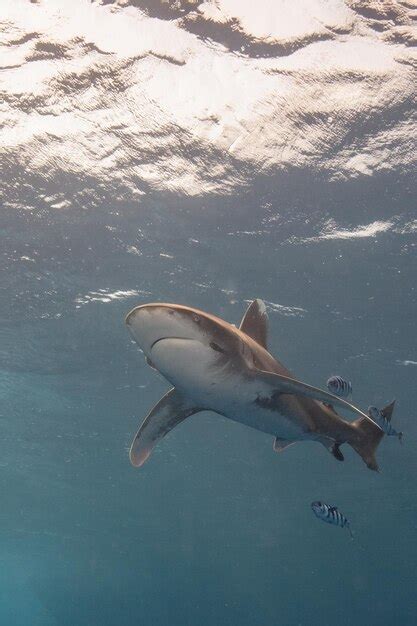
[{"x": 203, "y": 153}]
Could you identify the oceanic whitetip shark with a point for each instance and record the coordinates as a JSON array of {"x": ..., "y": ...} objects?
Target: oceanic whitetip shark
[{"x": 217, "y": 367}]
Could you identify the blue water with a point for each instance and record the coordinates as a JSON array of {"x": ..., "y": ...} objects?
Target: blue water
[{"x": 216, "y": 529}]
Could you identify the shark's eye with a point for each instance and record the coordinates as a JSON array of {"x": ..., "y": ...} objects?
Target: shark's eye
[
  {"x": 216, "y": 347},
  {"x": 196, "y": 318}
]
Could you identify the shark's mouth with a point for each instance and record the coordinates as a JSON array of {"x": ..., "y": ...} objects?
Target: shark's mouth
[
  {"x": 158, "y": 340},
  {"x": 164, "y": 338}
]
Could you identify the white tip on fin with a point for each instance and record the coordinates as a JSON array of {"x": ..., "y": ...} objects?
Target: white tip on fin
[
  {"x": 282, "y": 444},
  {"x": 172, "y": 409},
  {"x": 255, "y": 322},
  {"x": 138, "y": 456}
]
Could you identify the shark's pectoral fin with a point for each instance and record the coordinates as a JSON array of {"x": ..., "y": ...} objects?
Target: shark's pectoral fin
[
  {"x": 255, "y": 322},
  {"x": 267, "y": 384},
  {"x": 282, "y": 444},
  {"x": 172, "y": 409}
]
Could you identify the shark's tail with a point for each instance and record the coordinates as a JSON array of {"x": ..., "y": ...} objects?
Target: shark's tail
[{"x": 366, "y": 436}]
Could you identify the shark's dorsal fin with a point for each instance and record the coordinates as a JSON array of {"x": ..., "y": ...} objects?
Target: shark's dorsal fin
[
  {"x": 172, "y": 409},
  {"x": 281, "y": 444},
  {"x": 255, "y": 322}
]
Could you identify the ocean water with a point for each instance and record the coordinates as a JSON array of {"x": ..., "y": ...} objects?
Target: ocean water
[{"x": 203, "y": 153}]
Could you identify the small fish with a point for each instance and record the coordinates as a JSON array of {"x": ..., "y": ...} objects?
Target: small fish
[
  {"x": 339, "y": 386},
  {"x": 330, "y": 515},
  {"x": 379, "y": 418}
]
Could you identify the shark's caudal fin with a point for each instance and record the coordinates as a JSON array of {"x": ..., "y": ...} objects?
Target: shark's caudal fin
[
  {"x": 365, "y": 441},
  {"x": 367, "y": 437}
]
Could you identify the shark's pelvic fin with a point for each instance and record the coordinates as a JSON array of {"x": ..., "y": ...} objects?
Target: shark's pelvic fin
[
  {"x": 327, "y": 442},
  {"x": 255, "y": 322},
  {"x": 282, "y": 444},
  {"x": 172, "y": 409}
]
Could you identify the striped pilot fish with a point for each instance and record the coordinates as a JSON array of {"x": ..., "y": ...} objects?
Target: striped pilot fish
[
  {"x": 339, "y": 386},
  {"x": 330, "y": 515},
  {"x": 383, "y": 421}
]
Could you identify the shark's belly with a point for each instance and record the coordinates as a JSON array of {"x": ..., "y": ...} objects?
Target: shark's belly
[
  {"x": 188, "y": 365},
  {"x": 215, "y": 385},
  {"x": 274, "y": 422},
  {"x": 230, "y": 395}
]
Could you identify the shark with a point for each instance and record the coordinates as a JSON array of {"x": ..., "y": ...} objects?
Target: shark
[{"x": 216, "y": 366}]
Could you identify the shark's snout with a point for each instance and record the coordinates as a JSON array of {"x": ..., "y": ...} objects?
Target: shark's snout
[
  {"x": 144, "y": 311},
  {"x": 150, "y": 323},
  {"x": 145, "y": 325}
]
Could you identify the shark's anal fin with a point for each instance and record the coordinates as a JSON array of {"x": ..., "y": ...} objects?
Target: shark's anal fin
[
  {"x": 337, "y": 453},
  {"x": 282, "y": 444},
  {"x": 332, "y": 446},
  {"x": 171, "y": 410},
  {"x": 255, "y": 322}
]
